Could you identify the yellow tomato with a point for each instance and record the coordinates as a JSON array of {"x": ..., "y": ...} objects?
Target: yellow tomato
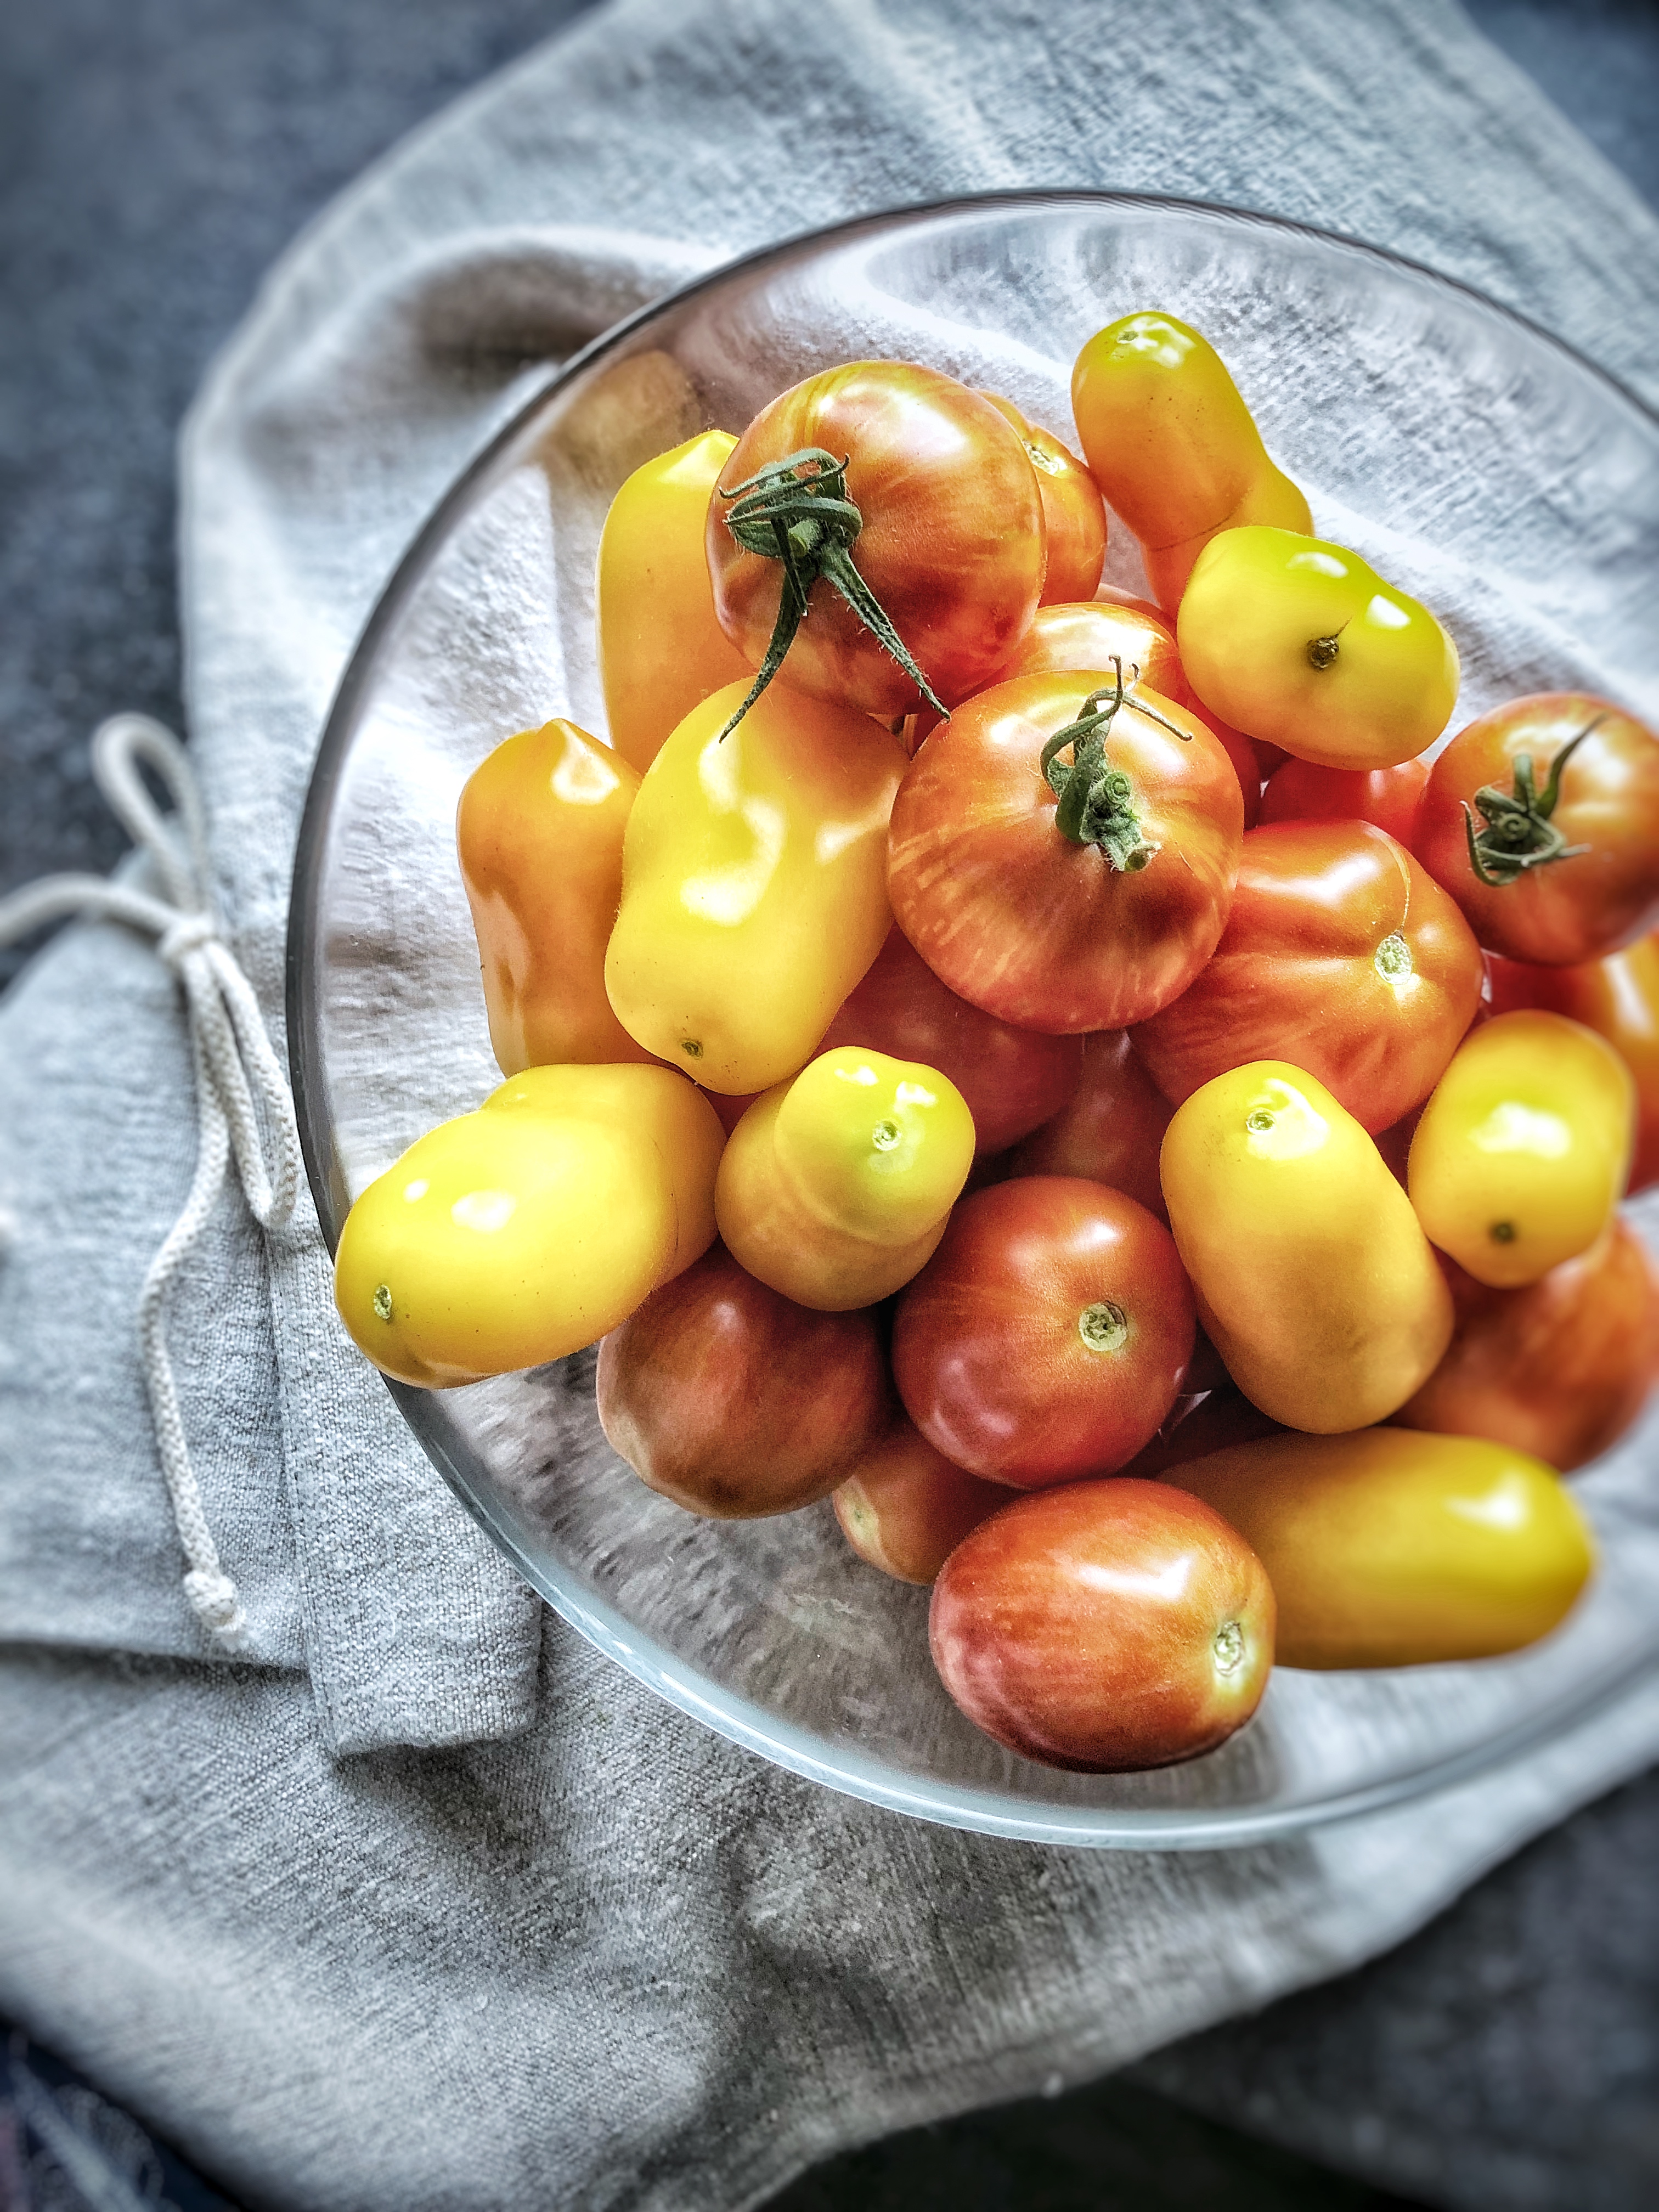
[
  {"x": 661, "y": 650},
  {"x": 1303, "y": 644},
  {"x": 1524, "y": 1148},
  {"x": 502, "y": 1240},
  {"x": 655, "y": 1108},
  {"x": 539, "y": 835},
  {"x": 1389, "y": 1548},
  {"x": 753, "y": 885},
  {"x": 1313, "y": 1278},
  {"x": 834, "y": 1188},
  {"x": 1173, "y": 446}
]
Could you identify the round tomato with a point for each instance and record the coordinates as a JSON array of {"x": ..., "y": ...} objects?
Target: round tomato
[
  {"x": 1299, "y": 791},
  {"x": 1048, "y": 1335},
  {"x": 1073, "y": 512},
  {"x": 1110, "y": 1129},
  {"x": 1560, "y": 1368},
  {"x": 1342, "y": 956},
  {"x": 1011, "y": 1079},
  {"x": 1619, "y": 999},
  {"x": 1542, "y": 821},
  {"x": 936, "y": 518},
  {"x": 1046, "y": 920}
]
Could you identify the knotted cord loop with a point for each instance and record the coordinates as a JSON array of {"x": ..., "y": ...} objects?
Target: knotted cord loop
[{"x": 243, "y": 1105}]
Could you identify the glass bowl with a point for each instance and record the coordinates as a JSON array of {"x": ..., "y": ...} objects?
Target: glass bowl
[{"x": 1482, "y": 465}]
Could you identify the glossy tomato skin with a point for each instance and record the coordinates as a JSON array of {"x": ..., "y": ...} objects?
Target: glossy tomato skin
[
  {"x": 1571, "y": 909},
  {"x": 1617, "y": 997},
  {"x": 1011, "y": 1079},
  {"x": 1110, "y": 1129},
  {"x": 735, "y": 1402},
  {"x": 1047, "y": 1336},
  {"x": 952, "y": 543},
  {"x": 1073, "y": 512},
  {"x": 905, "y": 1507},
  {"x": 1560, "y": 1368},
  {"x": 1039, "y": 930},
  {"x": 1299, "y": 791},
  {"x": 1342, "y": 956},
  {"x": 1104, "y": 1626}
]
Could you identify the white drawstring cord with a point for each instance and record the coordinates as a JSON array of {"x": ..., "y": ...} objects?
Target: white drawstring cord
[{"x": 234, "y": 1061}]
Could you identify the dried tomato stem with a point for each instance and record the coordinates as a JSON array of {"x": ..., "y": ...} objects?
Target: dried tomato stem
[{"x": 1517, "y": 834}]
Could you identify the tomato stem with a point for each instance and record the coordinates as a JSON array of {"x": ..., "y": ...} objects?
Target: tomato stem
[
  {"x": 1517, "y": 834},
  {"x": 796, "y": 510},
  {"x": 1094, "y": 799}
]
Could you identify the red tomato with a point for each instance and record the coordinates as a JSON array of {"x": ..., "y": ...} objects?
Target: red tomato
[
  {"x": 1619, "y": 999},
  {"x": 1040, "y": 931},
  {"x": 1342, "y": 956},
  {"x": 1601, "y": 892},
  {"x": 1201, "y": 1425},
  {"x": 1011, "y": 1079},
  {"x": 905, "y": 1507},
  {"x": 1389, "y": 797},
  {"x": 1110, "y": 1131},
  {"x": 734, "y": 1401},
  {"x": 1073, "y": 512},
  {"x": 1049, "y": 1334},
  {"x": 1560, "y": 1368},
  {"x": 949, "y": 540},
  {"x": 1104, "y": 1626}
]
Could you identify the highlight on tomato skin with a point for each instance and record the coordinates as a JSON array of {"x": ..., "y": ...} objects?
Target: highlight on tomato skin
[{"x": 1104, "y": 1626}]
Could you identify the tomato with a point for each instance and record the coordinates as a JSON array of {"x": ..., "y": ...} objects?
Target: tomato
[
  {"x": 1342, "y": 956},
  {"x": 754, "y": 891},
  {"x": 1522, "y": 1152},
  {"x": 1047, "y": 1336},
  {"x": 735, "y": 1402},
  {"x": 503, "y": 1240},
  {"x": 834, "y": 1188},
  {"x": 938, "y": 518},
  {"x": 1110, "y": 1130},
  {"x": 1104, "y": 1626},
  {"x": 905, "y": 1507},
  {"x": 1041, "y": 930},
  {"x": 1011, "y": 1079},
  {"x": 661, "y": 650},
  {"x": 1389, "y": 797},
  {"x": 1203, "y": 1423},
  {"x": 539, "y": 835},
  {"x": 1560, "y": 1368},
  {"x": 1173, "y": 446},
  {"x": 1312, "y": 1277},
  {"x": 1388, "y": 1549},
  {"x": 1617, "y": 997},
  {"x": 1558, "y": 794},
  {"x": 1302, "y": 643},
  {"x": 1073, "y": 512}
]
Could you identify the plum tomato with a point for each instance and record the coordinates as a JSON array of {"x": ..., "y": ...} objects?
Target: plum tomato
[
  {"x": 1011, "y": 1079},
  {"x": 1617, "y": 997},
  {"x": 1110, "y": 1129},
  {"x": 1340, "y": 955},
  {"x": 911, "y": 573},
  {"x": 1062, "y": 895},
  {"x": 1560, "y": 1368},
  {"x": 1299, "y": 791},
  {"x": 1104, "y": 1626},
  {"x": 1048, "y": 1335},
  {"x": 1542, "y": 819},
  {"x": 1073, "y": 512},
  {"x": 736, "y": 1403},
  {"x": 1390, "y": 1549},
  {"x": 905, "y": 1507},
  {"x": 1522, "y": 1152}
]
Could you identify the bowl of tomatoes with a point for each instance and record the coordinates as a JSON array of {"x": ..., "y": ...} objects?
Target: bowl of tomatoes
[{"x": 1032, "y": 1188}]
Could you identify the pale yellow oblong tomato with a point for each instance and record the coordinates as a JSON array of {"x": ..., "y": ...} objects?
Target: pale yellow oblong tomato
[
  {"x": 1524, "y": 1147},
  {"x": 1313, "y": 1278},
  {"x": 502, "y": 1240},
  {"x": 655, "y": 1108},
  {"x": 1391, "y": 1548},
  {"x": 661, "y": 649},
  {"x": 753, "y": 885}
]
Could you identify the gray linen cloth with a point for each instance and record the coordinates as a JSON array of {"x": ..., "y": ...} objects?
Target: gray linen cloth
[{"x": 542, "y": 1940}]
